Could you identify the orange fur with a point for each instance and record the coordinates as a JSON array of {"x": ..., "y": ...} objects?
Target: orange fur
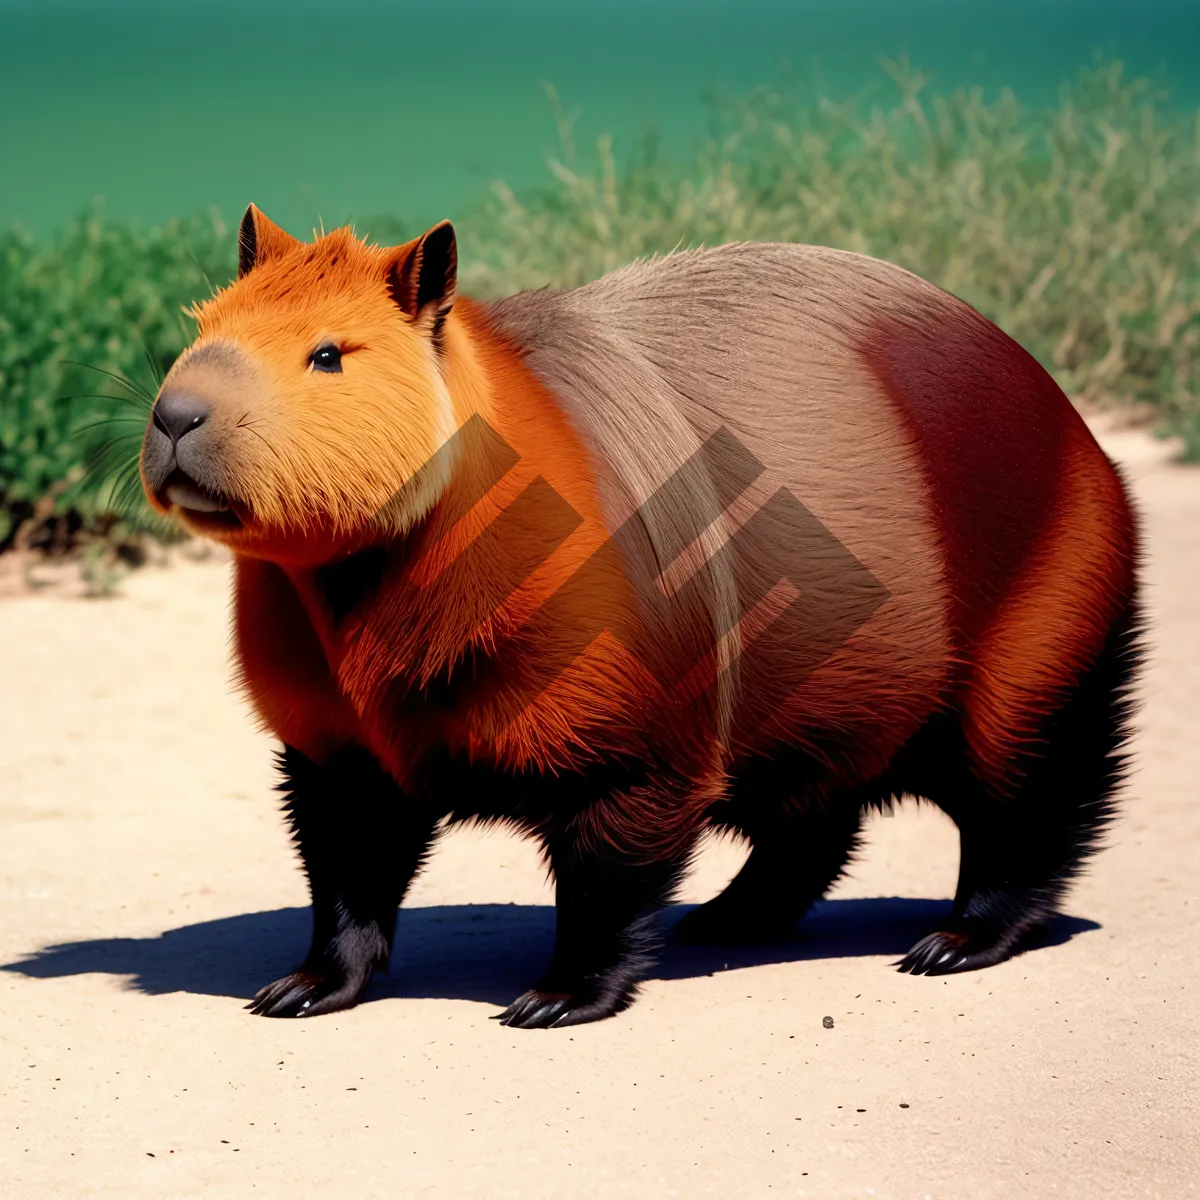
[
  {"x": 316, "y": 458},
  {"x": 407, "y": 638}
]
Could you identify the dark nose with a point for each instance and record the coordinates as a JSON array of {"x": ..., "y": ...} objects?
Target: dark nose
[{"x": 177, "y": 413}]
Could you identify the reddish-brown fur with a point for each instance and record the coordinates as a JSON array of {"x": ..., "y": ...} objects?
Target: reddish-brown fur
[{"x": 1036, "y": 583}]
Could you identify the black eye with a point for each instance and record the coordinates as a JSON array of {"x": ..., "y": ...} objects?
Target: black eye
[{"x": 326, "y": 358}]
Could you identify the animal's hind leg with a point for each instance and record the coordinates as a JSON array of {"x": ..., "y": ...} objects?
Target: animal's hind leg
[
  {"x": 1020, "y": 850},
  {"x": 795, "y": 857}
]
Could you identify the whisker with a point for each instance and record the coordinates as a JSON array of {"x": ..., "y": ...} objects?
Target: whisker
[
  {"x": 125, "y": 445},
  {"x": 128, "y": 498},
  {"x": 155, "y": 367},
  {"x": 145, "y": 404},
  {"x": 103, "y": 469},
  {"x": 107, "y": 421},
  {"x": 133, "y": 386}
]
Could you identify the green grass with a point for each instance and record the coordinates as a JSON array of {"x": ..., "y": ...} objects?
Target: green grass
[
  {"x": 1077, "y": 229},
  {"x": 98, "y": 302}
]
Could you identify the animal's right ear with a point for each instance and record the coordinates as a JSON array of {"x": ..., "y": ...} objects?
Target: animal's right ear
[
  {"x": 259, "y": 240},
  {"x": 422, "y": 276}
]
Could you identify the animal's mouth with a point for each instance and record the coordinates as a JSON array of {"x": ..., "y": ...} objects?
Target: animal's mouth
[{"x": 202, "y": 506}]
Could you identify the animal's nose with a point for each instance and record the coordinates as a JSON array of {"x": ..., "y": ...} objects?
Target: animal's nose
[{"x": 177, "y": 414}]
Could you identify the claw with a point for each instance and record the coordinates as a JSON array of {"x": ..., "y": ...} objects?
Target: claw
[
  {"x": 555, "y": 1010},
  {"x": 306, "y": 994},
  {"x": 949, "y": 951},
  {"x": 534, "y": 1010}
]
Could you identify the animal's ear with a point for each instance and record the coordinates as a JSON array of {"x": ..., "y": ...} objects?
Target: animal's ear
[
  {"x": 421, "y": 277},
  {"x": 259, "y": 240}
]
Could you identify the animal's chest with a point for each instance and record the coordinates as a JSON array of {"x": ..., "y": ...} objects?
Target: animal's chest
[
  {"x": 318, "y": 683},
  {"x": 284, "y": 667}
]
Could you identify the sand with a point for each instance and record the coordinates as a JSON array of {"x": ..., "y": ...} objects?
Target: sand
[{"x": 148, "y": 889}]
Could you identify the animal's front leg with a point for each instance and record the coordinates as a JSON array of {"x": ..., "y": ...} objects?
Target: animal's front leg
[
  {"x": 362, "y": 841},
  {"x": 608, "y": 932}
]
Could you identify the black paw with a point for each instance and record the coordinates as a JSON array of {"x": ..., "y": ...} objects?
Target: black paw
[
  {"x": 308, "y": 993},
  {"x": 949, "y": 951},
  {"x": 554, "y": 1010},
  {"x": 717, "y": 924}
]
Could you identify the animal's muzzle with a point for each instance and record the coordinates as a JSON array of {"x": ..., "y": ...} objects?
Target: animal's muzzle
[{"x": 178, "y": 454}]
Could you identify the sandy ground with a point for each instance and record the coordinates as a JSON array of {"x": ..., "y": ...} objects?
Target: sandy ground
[{"x": 147, "y": 889}]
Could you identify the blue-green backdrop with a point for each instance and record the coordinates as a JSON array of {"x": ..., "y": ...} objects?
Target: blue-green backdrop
[{"x": 327, "y": 111}]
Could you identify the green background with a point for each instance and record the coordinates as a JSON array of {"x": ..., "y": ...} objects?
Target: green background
[{"x": 339, "y": 110}]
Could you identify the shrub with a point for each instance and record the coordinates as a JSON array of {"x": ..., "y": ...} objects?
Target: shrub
[{"x": 99, "y": 303}]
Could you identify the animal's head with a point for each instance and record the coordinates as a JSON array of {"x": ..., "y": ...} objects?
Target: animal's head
[{"x": 300, "y": 418}]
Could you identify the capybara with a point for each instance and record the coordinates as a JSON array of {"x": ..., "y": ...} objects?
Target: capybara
[{"x": 752, "y": 538}]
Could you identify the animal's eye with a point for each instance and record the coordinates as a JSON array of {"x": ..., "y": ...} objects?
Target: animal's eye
[{"x": 326, "y": 358}]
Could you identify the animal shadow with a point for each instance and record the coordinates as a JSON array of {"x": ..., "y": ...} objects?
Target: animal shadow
[{"x": 482, "y": 952}]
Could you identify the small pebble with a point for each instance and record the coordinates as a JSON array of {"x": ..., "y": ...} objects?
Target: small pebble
[{"x": 827, "y": 1022}]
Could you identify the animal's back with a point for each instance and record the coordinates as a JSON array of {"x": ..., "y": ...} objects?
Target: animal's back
[{"x": 924, "y": 442}]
